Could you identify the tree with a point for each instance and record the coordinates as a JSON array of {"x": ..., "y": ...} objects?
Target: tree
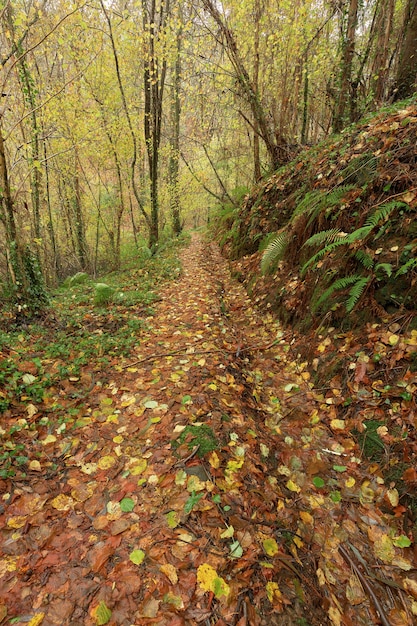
[
  {"x": 346, "y": 88},
  {"x": 275, "y": 144},
  {"x": 407, "y": 66},
  {"x": 154, "y": 75}
]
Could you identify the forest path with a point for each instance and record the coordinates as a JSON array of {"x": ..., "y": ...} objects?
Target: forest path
[{"x": 230, "y": 527}]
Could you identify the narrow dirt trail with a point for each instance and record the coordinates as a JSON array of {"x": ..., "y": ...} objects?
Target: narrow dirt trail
[{"x": 226, "y": 528}]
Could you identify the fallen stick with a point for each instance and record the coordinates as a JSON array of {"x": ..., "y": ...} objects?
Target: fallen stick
[
  {"x": 365, "y": 584},
  {"x": 237, "y": 352}
]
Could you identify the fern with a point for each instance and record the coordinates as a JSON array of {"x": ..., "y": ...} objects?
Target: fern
[
  {"x": 274, "y": 251},
  {"x": 358, "y": 284},
  {"x": 317, "y": 200},
  {"x": 383, "y": 213},
  {"x": 321, "y": 253},
  {"x": 387, "y": 267},
  {"x": 410, "y": 265},
  {"x": 310, "y": 200},
  {"x": 356, "y": 292},
  {"x": 324, "y": 237},
  {"x": 364, "y": 259}
]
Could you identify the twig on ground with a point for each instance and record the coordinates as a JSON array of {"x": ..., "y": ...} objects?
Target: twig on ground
[{"x": 365, "y": 584}]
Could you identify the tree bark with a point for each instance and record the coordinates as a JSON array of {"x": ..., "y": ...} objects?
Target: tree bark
[
  {"x": 344, "y": 94},
  {"x": 407, "y": 68}
]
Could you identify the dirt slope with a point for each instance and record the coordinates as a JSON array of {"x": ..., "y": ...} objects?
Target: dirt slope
[{"x": 264, "y": 513}]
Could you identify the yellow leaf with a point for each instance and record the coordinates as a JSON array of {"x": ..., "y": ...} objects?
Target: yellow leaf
[
  {"x": 106, "y": 462},
  {"x": 229, "y": 532},
  {"x": 292, "y": 486},
  {"x": 306, "y": 517},
  {"x": 17, "y": 522},
  {"x": 118, "y": 439},
  {"x": 8, "y": 564},
  {"x": 383, "y": 546},
  {"x": 335, "y": 616},
  {"x": 367, "y": 494},
  {"x": 349, "y": 482},
  {"x": 139, "y": 467},
  {"x": 393, "y": 496},
  {"x": 62, "y": 503},
  {"x": 35, "y": 466},
  {"x": 410, "y": 586},
  {"x": 402, "y": 563},
  {"x": 214, "y": 460},
  {"x": 270, "y": 546},
  {"x": 88, "y": 468},
  {"x": 36, "y": 619},
  {"x": 393, "y": 339},
  {"x": 209, "y": 581},
  {"x": 48, "y": 439},
  {"x": 170, "y": 572},
  {"x": 273, "y": 592},
  {"x": 337, "y": 424}
]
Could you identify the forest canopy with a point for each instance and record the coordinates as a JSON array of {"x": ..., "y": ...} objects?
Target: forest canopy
[{"x": 122, "y": 121}]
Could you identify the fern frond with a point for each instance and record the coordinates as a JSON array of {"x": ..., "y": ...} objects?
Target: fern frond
[
  {"x": 324, "y": 237},
  {"x": 358, "y": 234},
  {"x": 310, "y": 200},
  {"x": 274, "y": 251},
  {"x": 387, "y": 267},
  {"x": 321, "y": 253},
  {"x": 317, "y": 200},
  {"x": 356, "y": 292},
  {"x": 364, "y": 259},
  {"x": 383, "y": 213},
  {"x": 410, "y": 265},
  {"x": 358, "y": 283}
]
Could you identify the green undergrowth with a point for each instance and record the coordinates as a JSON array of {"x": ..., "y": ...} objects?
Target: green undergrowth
[
  {"x": 335, "y": 230},
  {"x": 54, "y": 360}
]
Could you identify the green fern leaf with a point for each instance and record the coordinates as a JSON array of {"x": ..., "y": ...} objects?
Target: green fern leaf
[
  {"x": 317, "y": 200},
  {"x": 324, "y": 237},
  {"x": 274, "y": 251},
  {"x": 383, "y": 213},
  {"x": 387, "y": 267},
  {"x": 410, "y": 265},
  {"x": 356, "y": 292},
  {"x": 341, "y": 284},
  {"x": 321, "y": 253},
  {"x": 364, "y": 259}
]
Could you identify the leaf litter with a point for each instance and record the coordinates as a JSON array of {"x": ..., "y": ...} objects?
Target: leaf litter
[{"x": 208, "y": 481}]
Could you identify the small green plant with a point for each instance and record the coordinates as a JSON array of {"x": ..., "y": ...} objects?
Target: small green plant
[
  {"x": 103, "y": 294},
  {"x": 197, "y": 435}
]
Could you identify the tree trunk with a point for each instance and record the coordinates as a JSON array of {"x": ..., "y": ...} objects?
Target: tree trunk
[
  {"x": 275, "y": 144},
  {"x": 154, "y": 23},
  {"x": 344, "y": 94},
  {"x": 384, "y": 21},
  {"x": 175, "y": 141},
  {"x": 407, "y": 68},
  {"x": 257, "y": 172}
]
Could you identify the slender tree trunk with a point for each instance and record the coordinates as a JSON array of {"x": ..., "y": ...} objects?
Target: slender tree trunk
[
  {"x": 175, "y": 141},
  {"x": 344, "y": 94},
  {"x": 257, "y": 172},
  {"x": 406, "y": 80},
  {"x": 80, "y": 239},
  {"x": 275, "y": 144},
  {"x": 154, "y": 76},
  {"x": 50, "y": 226}
]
